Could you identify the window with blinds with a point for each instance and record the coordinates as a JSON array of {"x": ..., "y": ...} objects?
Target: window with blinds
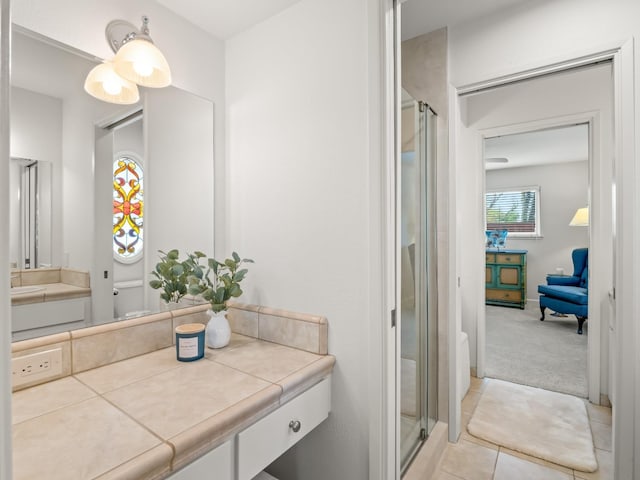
[{"x": 515, "y": 210}]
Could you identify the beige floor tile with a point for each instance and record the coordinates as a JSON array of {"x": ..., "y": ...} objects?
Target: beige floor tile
[
  {"x": 470, "y": 401},
  {"x": 465, "y": 417},
  {"x": 509, "y": 467},
  {"x": 599, "y": 414},
  {"x": 478, "y": 441},
  {"x": 478, "y": 384},
  {"x": 440, "y": 475},
  {"x": 539, "y": 461},
  {"x": 601, "y": 435},
  {"x": 469, "y": 461},
  {"x": 605, "y": 468}
]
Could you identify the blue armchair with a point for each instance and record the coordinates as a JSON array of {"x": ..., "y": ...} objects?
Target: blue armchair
[{"x": 569, "y": 294}]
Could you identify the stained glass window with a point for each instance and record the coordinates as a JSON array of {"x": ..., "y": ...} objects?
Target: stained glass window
[{"x": 128, "y": 209}]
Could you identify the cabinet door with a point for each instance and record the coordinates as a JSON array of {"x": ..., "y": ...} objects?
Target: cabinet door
[
  {"x": 509, "y": 277},
  {"x": 215, "y": 465}
]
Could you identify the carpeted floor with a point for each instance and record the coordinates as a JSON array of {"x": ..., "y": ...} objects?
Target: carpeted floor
[
  {"x": 546, "y": 425},
  {"x": 522, "y": 349}
]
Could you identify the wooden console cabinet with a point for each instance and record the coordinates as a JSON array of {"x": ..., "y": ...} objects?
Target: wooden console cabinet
[{"x": 506, "y": 277}]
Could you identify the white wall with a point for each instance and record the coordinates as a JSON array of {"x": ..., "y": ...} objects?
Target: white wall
[
  {"x": 535, "y": 34},
  {"x": 563, "y": 189},
  {"x": 297, "y": 111}
]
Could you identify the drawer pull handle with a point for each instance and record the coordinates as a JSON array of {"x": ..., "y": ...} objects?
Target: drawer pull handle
[{"x": 295, "y": 425}]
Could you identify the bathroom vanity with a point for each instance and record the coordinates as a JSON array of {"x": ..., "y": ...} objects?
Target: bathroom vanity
[
  {"x": 124, "y": 407},
  {"x": 48, "y": 300}
]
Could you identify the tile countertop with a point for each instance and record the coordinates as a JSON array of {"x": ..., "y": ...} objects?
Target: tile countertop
[
  {"x": 49, "y": 292},
  {"x": 146, "y": 416}
]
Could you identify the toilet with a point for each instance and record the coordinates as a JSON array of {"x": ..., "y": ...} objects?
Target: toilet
[{"x": 464, "y": 367}]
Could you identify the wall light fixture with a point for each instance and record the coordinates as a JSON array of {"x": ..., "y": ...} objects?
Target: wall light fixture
[{"x": 137, "y": 61}]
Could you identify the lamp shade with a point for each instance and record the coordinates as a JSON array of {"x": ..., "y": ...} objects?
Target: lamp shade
[
  {"x": 581, "y": 218},
  {"x": 140, "y": 61},
  {"x": 105, "y": 84}
]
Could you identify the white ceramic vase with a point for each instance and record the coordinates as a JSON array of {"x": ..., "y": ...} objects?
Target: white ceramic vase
[{"x": 218, "y": 332}]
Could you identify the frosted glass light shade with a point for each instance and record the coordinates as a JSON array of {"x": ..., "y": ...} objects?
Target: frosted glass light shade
[
  {"x": 105, "y": 84},
  {"x": 140, "y": 61},
  {"x": 581, "y": 218}
]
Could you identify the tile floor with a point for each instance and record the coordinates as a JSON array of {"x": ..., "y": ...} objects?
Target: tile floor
[{"x": 475, "y": 459}]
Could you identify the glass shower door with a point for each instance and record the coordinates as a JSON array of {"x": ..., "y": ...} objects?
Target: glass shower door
[{"x": 417, "y": 277}]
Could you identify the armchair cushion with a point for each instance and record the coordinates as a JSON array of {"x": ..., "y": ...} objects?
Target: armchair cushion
[{"x": 571, "y": 294}]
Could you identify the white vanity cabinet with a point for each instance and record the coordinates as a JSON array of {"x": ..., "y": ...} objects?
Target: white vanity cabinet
[
  {"x": 215, "y": 465},
  {"x": 270, "y": 437},
  {"x": 264, "y": 441}
]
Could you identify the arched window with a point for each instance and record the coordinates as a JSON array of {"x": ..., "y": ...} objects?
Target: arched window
[{"x": 128, "y": 208}]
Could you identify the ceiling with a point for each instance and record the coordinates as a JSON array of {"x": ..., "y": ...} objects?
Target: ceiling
[
  {"x": 225, "y": 18},
  {"x": 542, "y": 147},
  {"x": 424, "y": 16}
]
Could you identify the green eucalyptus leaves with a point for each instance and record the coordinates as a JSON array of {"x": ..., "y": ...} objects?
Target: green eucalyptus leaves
[
  {"x": 225, "y": 283},
  {"x": 172, "y": 276},
  {"x": 215, "y": 281}
]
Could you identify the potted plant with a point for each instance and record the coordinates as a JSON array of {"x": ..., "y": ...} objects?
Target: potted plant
[
  {"x": 217, "y": 282},
  {"x": 172, "y": 276}
]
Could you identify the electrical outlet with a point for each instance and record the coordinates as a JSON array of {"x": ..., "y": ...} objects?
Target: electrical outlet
[{"x": 37, "y": 366}]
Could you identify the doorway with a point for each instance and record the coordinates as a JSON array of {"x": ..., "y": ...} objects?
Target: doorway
[
  {"x": 574, "y": 96},
  {"x": 535, "y": 182}
]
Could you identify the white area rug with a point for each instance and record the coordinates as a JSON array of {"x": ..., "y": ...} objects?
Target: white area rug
[{"x": 547, "y": 425}]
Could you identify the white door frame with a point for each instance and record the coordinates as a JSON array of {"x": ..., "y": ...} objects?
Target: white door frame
[
  {"x": 626, "y": 364},
  {"x": 595, "y": 282},
  {"x": 383, "y": 345}
]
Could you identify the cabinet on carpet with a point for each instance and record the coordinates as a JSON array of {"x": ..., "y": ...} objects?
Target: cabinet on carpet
[{"x": 506, "y": 277}]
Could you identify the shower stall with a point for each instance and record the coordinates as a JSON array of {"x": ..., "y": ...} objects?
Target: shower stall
[{"x": 417, "y": 276}]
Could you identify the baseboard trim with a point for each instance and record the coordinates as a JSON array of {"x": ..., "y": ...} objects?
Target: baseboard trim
[{"x": 427, "y": 459}]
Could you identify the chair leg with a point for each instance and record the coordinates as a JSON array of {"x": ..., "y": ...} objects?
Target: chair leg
[
  {"x": 580, "y": 323},
  {"x": 542, "y": 311}
]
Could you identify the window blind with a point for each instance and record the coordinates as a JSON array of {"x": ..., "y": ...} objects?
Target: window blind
[{"x": 513, "y": 210}]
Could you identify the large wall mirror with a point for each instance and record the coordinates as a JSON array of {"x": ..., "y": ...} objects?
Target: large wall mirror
[{"x": 64, "y": 144}]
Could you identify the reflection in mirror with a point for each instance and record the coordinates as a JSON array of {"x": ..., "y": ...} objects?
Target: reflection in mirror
[
  {"x": 30, "y": 205},
  {"x": 55, "y": 122}
]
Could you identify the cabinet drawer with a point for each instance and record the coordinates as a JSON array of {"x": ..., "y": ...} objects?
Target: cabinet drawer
[
  {"x": 490, "y": 257},
  {"x": 504, "y": 295},
  {"x": 215, "y": 464},
  {"x": 266, "y": 440},
  {"x": 509, "y": 258}
]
